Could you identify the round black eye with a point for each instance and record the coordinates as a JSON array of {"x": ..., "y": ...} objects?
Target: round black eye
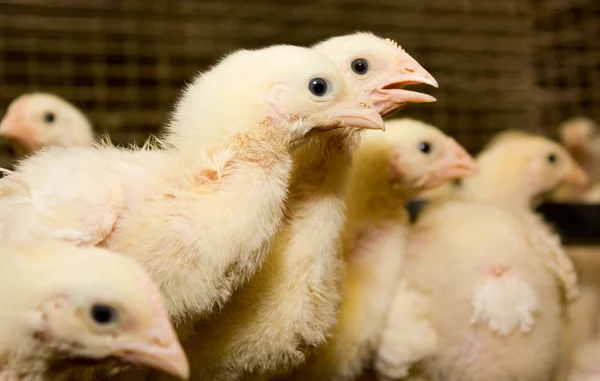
[
  {"x": 552, "y": 158},
  {"x": 318, "y": 86},
  {"x": 49, "y": 117},
  {"x": 103, "y": 314},
  {"x": 425, "y": 147},
  {"x": 360, "y": 66}
]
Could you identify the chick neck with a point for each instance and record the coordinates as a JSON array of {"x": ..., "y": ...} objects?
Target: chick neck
[
  {"x": 501, "y": 181},
  {"x": 372, "y": 196}
]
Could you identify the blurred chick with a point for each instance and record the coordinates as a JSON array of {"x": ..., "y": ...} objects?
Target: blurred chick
[
  {"x": 64, "y": 309},
  {"x": 289, "y": 307},
  {"x": 581, "y": 137},
  {"x": 474, "y": 280},
  {"x": 388, "y": 170},
  {"x": 199, "y": 218},
  {"x": 38, "y": 120}
]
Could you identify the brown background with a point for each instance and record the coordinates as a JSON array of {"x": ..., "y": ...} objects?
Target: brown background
[{"x": 500, "y": 63}]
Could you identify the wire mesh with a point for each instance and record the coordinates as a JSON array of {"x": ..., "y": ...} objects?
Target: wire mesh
[{"x": 500, "y": 64}]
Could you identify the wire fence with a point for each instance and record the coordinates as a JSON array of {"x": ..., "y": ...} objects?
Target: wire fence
[{"x": 500, "y": 63}]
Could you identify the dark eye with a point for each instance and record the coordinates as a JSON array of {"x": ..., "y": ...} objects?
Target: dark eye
[
  {"x": 49, "y": 117},
  {"x": 318, "y": 86},
  {"x": 360, "y": 66},
  {"x": 425, "y": 147},
  {"x": 552, "y": 158},
  {"x": 103, "y": 314}
]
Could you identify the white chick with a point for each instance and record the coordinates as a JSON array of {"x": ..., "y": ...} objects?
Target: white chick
[
  {"x": 388, "y": 169},
  {"x": 64, "y": 309},
  {"x": 472, "y": 279},
  {"x": 38, "y": 120},
  {"x": 199, "y": 220},
  {"x": 289, "y": 307}
]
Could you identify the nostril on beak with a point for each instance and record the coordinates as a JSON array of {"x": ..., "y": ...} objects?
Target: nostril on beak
[{"x": 409, "y": 70}]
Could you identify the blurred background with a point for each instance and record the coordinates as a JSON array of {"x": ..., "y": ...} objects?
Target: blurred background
[{"x": 525, "y": 64}]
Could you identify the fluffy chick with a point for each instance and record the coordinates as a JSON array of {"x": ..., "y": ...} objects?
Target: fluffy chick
[
  {"x": 37, "y": 120},
  {"x": 472, "y": 279},
  {"x": 388, "y": 169},
  {"x": 290, "y": 306},
  {"x": 64, "y": 308},
  {"x": 198, "y": 219}
]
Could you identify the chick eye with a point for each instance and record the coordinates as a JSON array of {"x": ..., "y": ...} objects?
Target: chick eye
[
  {"x": 425, "y": 147},
  {"x": 318, "y": 86},
  {"x": 552, "y": 158},
  {"x": 103, "y": 314},
  {"x": 49, "y": 117},
  {"x": 360, "y": 66}
]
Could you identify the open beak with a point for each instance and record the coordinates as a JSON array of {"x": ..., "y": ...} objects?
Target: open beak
[
  {"x": 390, "y": 95},
  {"x": 367, "y": 118},
  {"x": 160, "y": 349},
  {"x": 577, "y": 177},
  {"x": 455, "y": 164}
]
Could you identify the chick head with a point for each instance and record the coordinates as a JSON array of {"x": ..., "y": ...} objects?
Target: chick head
[
  {"x": 94, "y": 305},
  {"x": 578, "y": 135},
  {"x": 289, "y": 91},
  {"x": 524, "y": 167},
  {"x": 39, "y": 119},
  {"x": 414, "y": 156},
  {"x": 382, "y": 67}
]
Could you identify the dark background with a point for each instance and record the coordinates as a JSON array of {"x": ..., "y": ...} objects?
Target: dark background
[{"x": 500, "y": 63}]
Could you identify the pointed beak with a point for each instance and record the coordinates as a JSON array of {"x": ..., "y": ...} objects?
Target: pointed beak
[
  {"x": 159, "y": 349},
  {"x": 577, "y": 177},
  {"x": 455, "y": 164},
  {"x": 366, "y": 118},
  {"x": 390, "y": 95}
]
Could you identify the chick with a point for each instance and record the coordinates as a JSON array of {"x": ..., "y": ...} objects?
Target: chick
[
  {"x": 37, "y": 120},
  {"x": 290, "y": 305},
  {"x": 388, "y": 170},
  {"x": 474, "y": 289},
  {"x": 198, "y": 217},
  {"x": 581, "y": 137},
  {"x": 64, "y": 309}
]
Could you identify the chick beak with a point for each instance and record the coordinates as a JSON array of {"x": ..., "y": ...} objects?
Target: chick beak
[
  {"x": 366, "y": 118},
  {"x": 455, "y": 164},
  {"x": 577, "y": 177},
  {"x": 390, "y": 95},
  {"x": 159, "y": 349}
]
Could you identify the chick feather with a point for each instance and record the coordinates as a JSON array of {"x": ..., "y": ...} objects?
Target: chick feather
[{"x": 475, "y": 277}]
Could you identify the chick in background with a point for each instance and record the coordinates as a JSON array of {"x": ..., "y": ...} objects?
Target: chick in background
[{"x": 38, "y": 120}]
